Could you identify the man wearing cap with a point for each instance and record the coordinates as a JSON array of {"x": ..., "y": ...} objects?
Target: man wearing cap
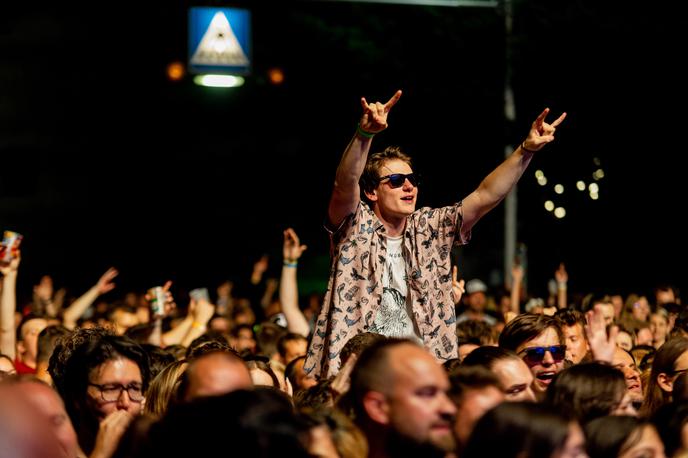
[{"x": 475, "y": 300}]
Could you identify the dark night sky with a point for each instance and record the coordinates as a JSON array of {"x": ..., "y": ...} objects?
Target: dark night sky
[{"x": 106, "y": 162}]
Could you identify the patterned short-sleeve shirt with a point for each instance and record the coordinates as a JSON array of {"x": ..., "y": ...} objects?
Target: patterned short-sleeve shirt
[{"x": 354, "y": 292}]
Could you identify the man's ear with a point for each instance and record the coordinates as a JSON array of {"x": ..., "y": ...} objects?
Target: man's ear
[
  {"x": 371, "y": 195},
  {"x": 665, "y": 382},
  {"x": 376, "y": 406}
]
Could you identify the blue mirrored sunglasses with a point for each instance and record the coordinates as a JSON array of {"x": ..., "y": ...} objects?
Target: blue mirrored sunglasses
[
  {"x": 397, "y": 180},
  {"x": 535, "y": 355}
]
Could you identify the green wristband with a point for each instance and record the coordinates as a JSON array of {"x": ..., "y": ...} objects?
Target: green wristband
[{"x": 363, "y": 133}]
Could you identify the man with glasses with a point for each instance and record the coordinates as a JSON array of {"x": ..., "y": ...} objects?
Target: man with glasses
[
  {"x": 538, "y": 340},
  {"x": 102, "y": 379},
  {"x": 391, "y": 270}
]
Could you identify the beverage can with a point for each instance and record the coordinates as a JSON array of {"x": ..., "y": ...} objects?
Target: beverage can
[
  {"x": 10, "y": 246},
  {"x": 158, "y": 297}
]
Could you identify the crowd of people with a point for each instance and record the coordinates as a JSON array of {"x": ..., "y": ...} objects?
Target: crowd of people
[{"x": 398, "y": 358}]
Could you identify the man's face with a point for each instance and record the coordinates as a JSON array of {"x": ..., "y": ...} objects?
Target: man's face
[
  {"x": 294, "y": 348},
  {"x": 607, "y": 310},
  {"x": 624, "y": 340},
  {"x": 658, "y": 327},
  {"x": 624, "y": 362},
  {"x": 543, "y": 370},
  {"x": 108, "y": 396},
  {"x": 418, "y": 405},
  {"x": 29, "y": 344},
  {"x": 576, "y": 343},
  {"x": 244, "y": 341},
  {"x": 473, "y": 405},
  {"x": 303, "y": 380},
  {"x": 476, "y": 301},
  {"x": 392, "y": 202},
  {"x": 50, "y": 405},
  {"x": 515, "y": 378}
]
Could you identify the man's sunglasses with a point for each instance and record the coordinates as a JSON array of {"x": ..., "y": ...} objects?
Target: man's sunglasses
[
  {"x": 397, "y": 180},
  {"x": 534, "y": 355}
]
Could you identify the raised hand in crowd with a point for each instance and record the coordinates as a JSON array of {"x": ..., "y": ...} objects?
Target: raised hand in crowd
[
  {"x": 8, "y": 304},
  {"x": 602, "y": 344},
  {"x": 77, "y": 308},
  {"x": 562, "y": 278},
  {"x": 458, "y": 286},
  {"x": 288, "y": 287}
]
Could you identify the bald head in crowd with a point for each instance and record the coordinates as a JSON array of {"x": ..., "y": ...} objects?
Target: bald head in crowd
[
  {"x": 399, "y": 396},
  {"x": 212, "y": 374}
]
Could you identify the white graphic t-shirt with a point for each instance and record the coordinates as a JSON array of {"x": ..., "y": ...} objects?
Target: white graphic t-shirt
[{"x": 394, "y": 318}]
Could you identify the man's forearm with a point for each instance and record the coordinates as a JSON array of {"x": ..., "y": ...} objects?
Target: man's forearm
[{"x": 8, "y": 304}]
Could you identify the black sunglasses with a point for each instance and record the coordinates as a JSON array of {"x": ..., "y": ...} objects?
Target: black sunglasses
[
  {"x": 535, "y": 355},
  {"x": 397, "y": 180}
]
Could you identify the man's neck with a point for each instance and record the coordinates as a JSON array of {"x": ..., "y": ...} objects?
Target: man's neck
[{"x": 394, "y": 226}]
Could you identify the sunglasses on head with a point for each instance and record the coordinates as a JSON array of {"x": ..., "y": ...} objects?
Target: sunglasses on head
[
  {"x": 535, "y": 355},
  {"x": 397, "y": 180}
]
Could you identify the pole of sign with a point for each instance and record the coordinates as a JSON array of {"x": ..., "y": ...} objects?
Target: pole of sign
[{"x": 510, "y": 203}]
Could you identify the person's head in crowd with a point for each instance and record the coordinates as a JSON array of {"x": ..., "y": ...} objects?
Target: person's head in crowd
[
  {"x": 27, "y": 342},
  {"x": 671, "y": 422},
  {"x": 243, "y": 423},
  {"x": 6, "y": 366},
  {"x": 158, "y": 358},
  {"x": 625, "y": 339},
  {"x": 291, "y": 345},
  {"x": 242, "y": 314},
  {"x": 539, "y": 341},
  {"x": 99, "y": 375},
  {"x": 267, "y": 336},
  {"x": 475, "y": 297},
  {"x": 123, "y": 317},
  {"x": 241, "y": 338},
  {"x": 636, "y": 307},
  {"x": 220, "y": 323},
  {"x": 317, "y": 397},
  {"x": 590, "y": 390},
  {"x": 622, "y": 437},
  {"x": 670, "y": 360},
  {"x": 177, "y": 350},
  {"x": 474, "y": 391},
  {"x": 525, "y": 429},
  {"x": 261, "y": 372},
  {"x": 617, "y": 301},
  {"x": 50, "y": 406},
  {"x": 207, "y": 342},
  {"x": 673, "y": 312},
  {"x": 163, "y": 387},
  {"x": 659, "y": 326},
  {"x": 24, "y": 430},
  {"x": 643, "y": 334},
  {"x": 471, "y": 334},
  {"x": 356, "y": 344},
  {"x": 573, "y": 324},
  {"x": 47, "y": 341},
  {"x": 140, "y": 332},
  {"x": 333, "y": 434},
  {"x": 600, "y": 302},
  {"x": 666, "y": 293},
  {"x": 514, "y": 375},
  {"x": 297, "y": 377},
  {"x": 623, "y": 361},
  {"x": 212, "y": 374},
  {"x": 399, "y": 398}
]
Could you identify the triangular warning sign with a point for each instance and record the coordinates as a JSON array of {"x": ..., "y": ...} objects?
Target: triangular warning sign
[{"x": 219, "y": 45}]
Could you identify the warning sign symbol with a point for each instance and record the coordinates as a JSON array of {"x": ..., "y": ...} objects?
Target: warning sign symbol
[{"x": 219, "y": 45}]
